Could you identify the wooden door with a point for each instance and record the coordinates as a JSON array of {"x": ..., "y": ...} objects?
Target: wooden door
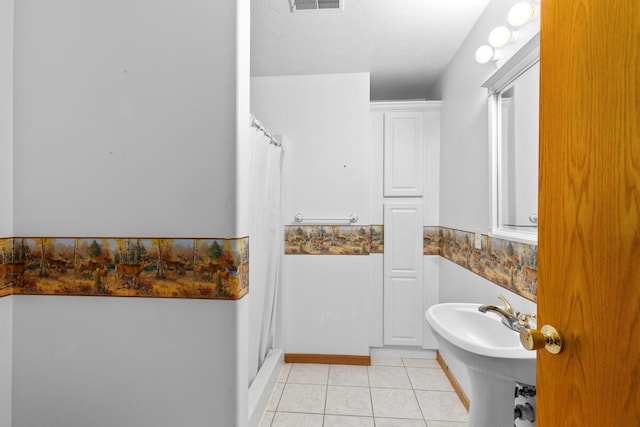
[{"x": 589, "y": 242}]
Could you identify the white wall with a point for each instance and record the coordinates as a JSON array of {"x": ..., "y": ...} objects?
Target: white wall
[
  {"x": 243, "y": 127},
  {"x": 6, "y": 119},
  {"x": 125, "y": 112},
  {"x": 239, "y": 81},
  {"x": 75, "y": 366},
  {"x": 326, "y": 309},
  {"x": 477, "y": 289},
  {"x": 465, "y": 195},
  {"x": 464, "y": 179},
  {"x": 325, "y": 119},
  {"x": 6, "y": 360},
  {"x": 6, "y": 197},
  {"x": 126, "y": 123}
]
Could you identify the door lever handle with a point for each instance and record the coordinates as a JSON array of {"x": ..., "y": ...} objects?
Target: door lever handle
[{"x": 547, "y": 337}]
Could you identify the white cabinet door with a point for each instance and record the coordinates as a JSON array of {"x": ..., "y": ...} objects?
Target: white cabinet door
[
  {"x": 403, "y": 274},
  {"x": 404, "y": 154}
]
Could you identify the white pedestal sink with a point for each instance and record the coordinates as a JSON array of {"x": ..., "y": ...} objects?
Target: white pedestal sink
[{"x": 493, "y": 355}]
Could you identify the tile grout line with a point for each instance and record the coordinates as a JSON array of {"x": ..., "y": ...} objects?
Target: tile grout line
[
  {"x": 284, "y": 386},
  {"x": 286, "y": 381},
  {"x": 326, "y": 395},
  {"x": 373, "y": 414},
  {"x": 415, "y": 396}
]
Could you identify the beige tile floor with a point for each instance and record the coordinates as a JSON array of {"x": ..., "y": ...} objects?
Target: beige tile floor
[{"x": 392, "y": 392}]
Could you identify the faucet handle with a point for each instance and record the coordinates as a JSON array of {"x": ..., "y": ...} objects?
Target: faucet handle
[
  {"x": 525, "y": 319},
  {"x": 507, "y": 306}
]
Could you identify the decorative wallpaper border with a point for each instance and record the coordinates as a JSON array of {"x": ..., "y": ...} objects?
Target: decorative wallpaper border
[
  {"x": 509, "y": 264},
  {"x": 203, "y": 268},
  {"x": 333, "y": 239}
]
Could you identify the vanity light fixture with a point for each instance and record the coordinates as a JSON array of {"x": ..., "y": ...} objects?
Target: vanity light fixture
[
  {"x": 500, "y": 36},
  {"x": 520, "y": 14},
  {"x": 484, "y": 54}
]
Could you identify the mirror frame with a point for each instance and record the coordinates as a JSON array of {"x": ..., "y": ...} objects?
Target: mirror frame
[{"x": 520, "y": 62}]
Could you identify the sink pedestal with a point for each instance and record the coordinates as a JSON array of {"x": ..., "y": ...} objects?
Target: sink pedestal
[{"x": 492, "y": 400}]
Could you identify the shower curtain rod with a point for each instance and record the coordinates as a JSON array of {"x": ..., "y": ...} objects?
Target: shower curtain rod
[{"x": 258, "y": 124}]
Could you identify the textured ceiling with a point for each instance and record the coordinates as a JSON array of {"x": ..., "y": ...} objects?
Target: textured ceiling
[{"x": 404, "y": 44}]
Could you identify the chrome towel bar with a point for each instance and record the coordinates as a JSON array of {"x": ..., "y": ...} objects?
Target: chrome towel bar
[{"x": 353, "y": 218}]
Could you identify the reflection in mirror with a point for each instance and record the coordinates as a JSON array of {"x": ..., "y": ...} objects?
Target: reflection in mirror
[
  {"x": 513, "y": 122},
  {"x": 518, "y": 106}
]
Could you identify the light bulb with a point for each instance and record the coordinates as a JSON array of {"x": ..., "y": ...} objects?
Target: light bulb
[
  {"x": 500, "y": 36},
  {"x": 520, "y": 14},
  {"x": 484, "y": 54}
]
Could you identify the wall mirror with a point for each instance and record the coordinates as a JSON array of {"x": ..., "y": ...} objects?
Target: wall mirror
[{"x": 513, "y": 130}]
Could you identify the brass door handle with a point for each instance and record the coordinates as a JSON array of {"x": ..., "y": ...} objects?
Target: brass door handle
[{"x": 547, "y": 337}]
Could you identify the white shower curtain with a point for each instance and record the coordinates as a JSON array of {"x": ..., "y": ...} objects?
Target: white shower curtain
[{"x": 265, "y": 247}]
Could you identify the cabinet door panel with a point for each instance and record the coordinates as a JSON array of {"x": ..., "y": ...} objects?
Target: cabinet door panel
[
  {"x": 403, "y": 274},
  {"x": 404, "y": 154},
  {"x": 404, "y": 222},
  {"x": 403, "y": 326}
]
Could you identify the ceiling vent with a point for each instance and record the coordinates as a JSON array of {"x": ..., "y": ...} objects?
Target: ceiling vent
[{"x": 298, "y": 5}]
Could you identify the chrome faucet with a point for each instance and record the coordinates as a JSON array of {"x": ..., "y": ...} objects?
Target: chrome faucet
[{"x": 510, "y": 317}]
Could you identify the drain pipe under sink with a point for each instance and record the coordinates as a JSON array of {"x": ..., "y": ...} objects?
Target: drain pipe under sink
[{"x": 524, "y": 412}]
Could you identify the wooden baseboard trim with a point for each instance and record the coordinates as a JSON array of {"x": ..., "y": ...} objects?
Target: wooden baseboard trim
[
  {"x": 327, "y": 359},
  {"x": 454, "y": 383}
]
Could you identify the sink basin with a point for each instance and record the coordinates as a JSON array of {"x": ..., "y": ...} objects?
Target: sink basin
[
  {"x": 482, "y": 341},
  {"x": 493, "y": 355}
]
